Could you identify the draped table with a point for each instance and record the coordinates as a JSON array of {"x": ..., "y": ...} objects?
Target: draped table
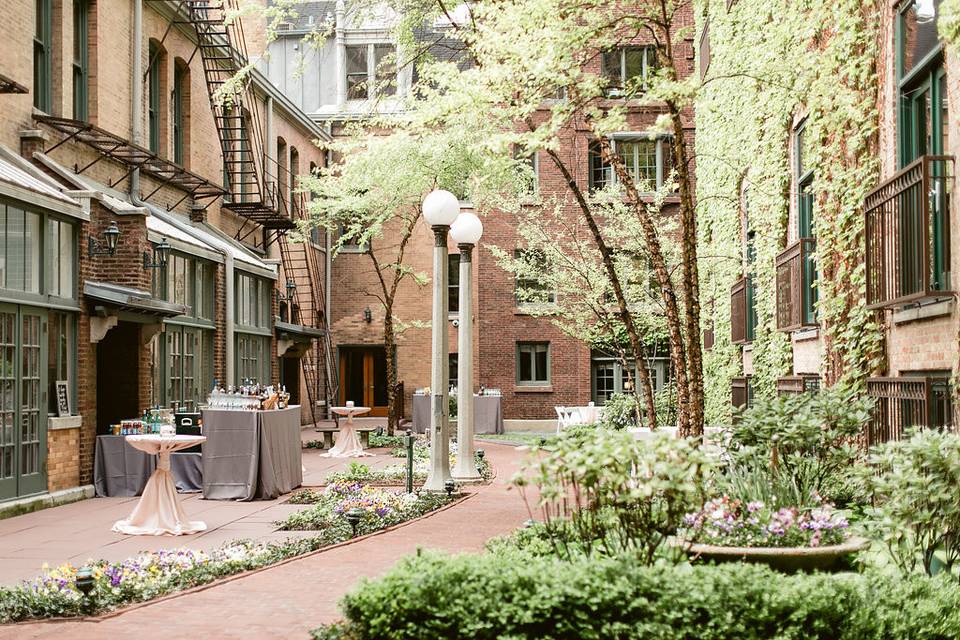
[
  {"x": 348, "y": 443},
  {"x": 251, "y": 454},
  {"x": 158, "y": 512},
  {"x": 487, "y": 414},
  {"x": 120, "y": 470}
]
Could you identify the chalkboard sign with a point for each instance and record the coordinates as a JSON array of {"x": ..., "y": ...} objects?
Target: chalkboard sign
[{"x": 63, "y": 398}]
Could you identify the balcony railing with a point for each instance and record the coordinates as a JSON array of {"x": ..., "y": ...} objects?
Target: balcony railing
[
  {"x": 908, "y": 234},
  {"x": 908, "y": 402},
  {"x": 798, "y": 384},
  {"x": 796, "y": 273},
  {"x": 741, "y": 331}
]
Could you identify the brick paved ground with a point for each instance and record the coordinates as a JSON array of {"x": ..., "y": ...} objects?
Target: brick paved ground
[{"x": 287, "y": 600}]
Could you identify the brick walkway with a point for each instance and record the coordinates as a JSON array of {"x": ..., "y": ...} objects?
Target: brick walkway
[{"x": 286, "y": 601}]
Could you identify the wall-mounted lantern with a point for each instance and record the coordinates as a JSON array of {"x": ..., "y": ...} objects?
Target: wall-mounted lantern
[
  {"x": 160, "y": 254},
  {"x": 109, "y": 246}
]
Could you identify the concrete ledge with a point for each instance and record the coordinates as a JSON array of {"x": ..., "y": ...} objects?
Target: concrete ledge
[
  {"x": 64, "y": 422},
  {"x": 923, "y": 312},
  {"x": 44, "y": 500}
]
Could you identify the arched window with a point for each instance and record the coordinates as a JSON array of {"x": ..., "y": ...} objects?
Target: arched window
[
  {"x": 181, "y": 112},
  {"x": 294, "y": 172},
  {"x": 283, "y": 186},
  {"x": 156, "y": 89}
]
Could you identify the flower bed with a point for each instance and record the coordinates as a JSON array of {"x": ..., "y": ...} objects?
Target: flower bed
[
  {"x": 143, "y": 577},
  {"x": 380, "y": 507},
  {"x": 735, "y": 523},
  {"x": 396, "y": 474}
]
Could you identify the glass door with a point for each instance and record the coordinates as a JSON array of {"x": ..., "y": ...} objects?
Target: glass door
[{"x": 23, "y": 401}]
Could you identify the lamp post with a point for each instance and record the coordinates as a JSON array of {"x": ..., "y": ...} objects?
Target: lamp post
[
  {"x": 466, "y": 231},
  {"x": 440, "y": 209}
]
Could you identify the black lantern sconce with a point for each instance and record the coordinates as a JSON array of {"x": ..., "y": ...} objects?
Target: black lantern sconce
[
  {"x": 367, "y": 315},
  {"x": 109, "y": 246},
  {"x": 160, "y": 254},
  {"x": 291, "y": 288}
]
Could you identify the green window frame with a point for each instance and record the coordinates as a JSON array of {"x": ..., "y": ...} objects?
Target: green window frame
[
  {"x": 805, "y": 222},
  {"x": 81, "y": 43},
  {"x": 180, "y": 76},
  {"x": 61, "y": 357},
  {"x": 42, "y": 64},
  {"x": 533, "y": 364},
  {"x": 252, "y": 358},
  {"x": 153, "y": 97},
  {"x": 252, "y": 302}
]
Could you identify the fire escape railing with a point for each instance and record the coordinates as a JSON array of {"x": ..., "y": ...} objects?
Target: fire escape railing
[
  {"x": 908, "y": 234},
  {"x": 908, "y": 402}
]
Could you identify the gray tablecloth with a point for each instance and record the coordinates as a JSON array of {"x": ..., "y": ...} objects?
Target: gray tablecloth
[
  {"x": 487, "y": 415},
  {"x": 251, "y": 454},
  {"x": 121, "y": 470}
]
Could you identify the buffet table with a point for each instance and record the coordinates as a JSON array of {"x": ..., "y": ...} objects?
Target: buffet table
[
  {"x": 487, "y": 414},
  {"x": 251, "y": 454},
  {"x": 121, "y": 470}
]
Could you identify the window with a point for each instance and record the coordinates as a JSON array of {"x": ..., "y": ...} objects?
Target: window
[
  {"x": 62, "y": 259},
  {"x": 181, "y": 112},
  {"x": 188, "y": 281},
  {"x": 80, "y": 68},
  {"x": 350, "y": 244},
  {"x": 648, "y": 161},
  {"x": 533, "y": 363},
  {"x": 371, "y": 71},
  {"x": 20, "y": 249},
  {"x": 187, "y": 365},
  {"x": 454, "y": 363},
  {"x": 530, "y": 290},
  {"x": 154, "y": 96},
  {"x": 628, "y": 69},
  {"x": 294, "y": 170},
  {"x": 42, "y": 82},
  {"x": 922, "y": 81},
  {"x": 529, "y": 171},
  {"x": 704, "y": 50},
  {"x": 252, "y": 301},
  {"x": 453, "y": 282},
  {"x": 61, "y": 357},
  {"x": 252, "y": 358},
  {"x": 805, "y": 200}
]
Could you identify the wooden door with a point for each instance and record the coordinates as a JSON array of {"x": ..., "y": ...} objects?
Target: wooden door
[{"x": 363, "y": 378}]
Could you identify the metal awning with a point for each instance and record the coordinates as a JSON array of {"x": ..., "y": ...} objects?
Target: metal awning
[
  {"x": 21, "y": 180},
  {"x": 297, "y": 332},
  {"x": 9, "y": 85},
  {"x": 113, "y": 297},
  {"x": 134, "y": 156}
]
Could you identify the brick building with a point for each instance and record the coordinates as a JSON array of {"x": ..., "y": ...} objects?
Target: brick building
[
  {"x": 144, "y": 250},
  {"x": 533, "y": 364},
  {"x": 908, "y": 250}
]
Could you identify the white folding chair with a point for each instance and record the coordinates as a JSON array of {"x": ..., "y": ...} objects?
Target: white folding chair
[{"x": 564, "y": 418}]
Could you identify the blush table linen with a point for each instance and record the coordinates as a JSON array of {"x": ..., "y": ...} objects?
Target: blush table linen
[
  {"x": 159, "y": 512},
  {"x": 348, "y": 443}
]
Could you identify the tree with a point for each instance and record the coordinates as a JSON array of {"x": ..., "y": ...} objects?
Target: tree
[{"x": 372, "y": 198}]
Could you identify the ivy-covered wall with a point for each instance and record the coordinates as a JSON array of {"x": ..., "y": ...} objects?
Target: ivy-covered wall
[{"x": 772, "y": 63}]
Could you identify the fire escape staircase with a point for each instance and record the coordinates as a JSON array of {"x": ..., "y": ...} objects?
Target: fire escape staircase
[
  {"x": 253, "y": 185},
  {"x": 236, "y": 113},
  {"x": 302, "y": 264}
]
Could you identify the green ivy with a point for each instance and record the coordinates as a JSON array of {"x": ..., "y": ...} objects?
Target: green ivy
[{"x": 772, "y": 63}]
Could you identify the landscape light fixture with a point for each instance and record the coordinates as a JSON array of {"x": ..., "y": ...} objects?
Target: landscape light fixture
[
  {"x": 85, "y": 583},
  {"x": 367, "y": 315},
  {"x": 449, "y": 486},
  {"x": 353, "y": 517},
  {"x": 160, "y": 254},
  {"x": 110, "y": 235}
]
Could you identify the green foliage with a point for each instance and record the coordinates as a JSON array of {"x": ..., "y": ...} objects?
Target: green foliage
[
  {"x": 386, "y": 509},
  {"x": 620, "y": 412},
  {"x": 618, "y": 494},
  {"x": 914, "y": 484},
  {"x": 811, "y": 435},
  {"x": 518, "y": 597},
  {"x": 816, "y": 60}
]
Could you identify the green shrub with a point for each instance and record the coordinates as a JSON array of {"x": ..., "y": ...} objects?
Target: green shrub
[
  {"x": 618, "y": 494},
  {"x": 813, "y": 435},
  {"x": 517, "y": 597},
  {"x": 917, "y": 511},
  {"x": 620, "y": 412}
]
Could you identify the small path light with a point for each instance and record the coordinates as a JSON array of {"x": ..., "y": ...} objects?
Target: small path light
[
  {"x": 449, "y": 486},
  {"x": 481, "y": 454},
  {"x": 353, "y": 518},
  {"x": 85, "y": 583},
  {"x": 529, "y": 523}
]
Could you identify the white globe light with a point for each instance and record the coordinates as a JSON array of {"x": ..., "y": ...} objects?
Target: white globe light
[
  {"x": 467, "y": 229},
  {"x": 440, "y": 208}
]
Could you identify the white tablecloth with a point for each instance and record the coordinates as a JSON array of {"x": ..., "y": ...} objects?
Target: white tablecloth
[{"x": 158, "y": 512}]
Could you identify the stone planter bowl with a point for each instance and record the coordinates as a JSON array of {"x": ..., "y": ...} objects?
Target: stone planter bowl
[{"x": 788, "y": 559}]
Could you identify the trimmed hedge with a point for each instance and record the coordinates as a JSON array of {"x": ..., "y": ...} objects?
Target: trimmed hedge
[{"x": 514, "y": 596}]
